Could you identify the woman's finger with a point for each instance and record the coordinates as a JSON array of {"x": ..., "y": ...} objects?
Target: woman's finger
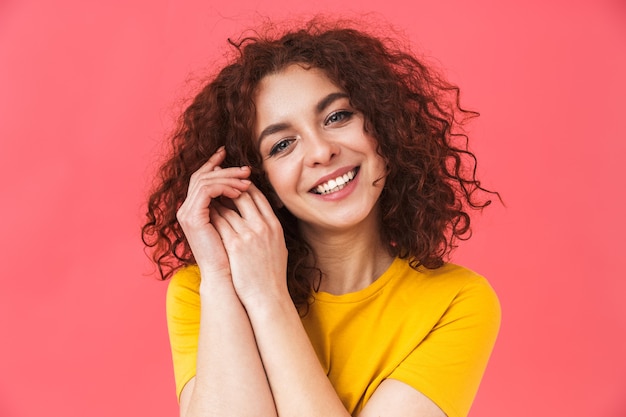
[
  {"x": 195, "y": 208},
  {"x": 219, "y": 220},
  {"x": 218, "y": 174},
  {"x": 212, "y": 165},
  {"x": 233, "y": 177},
  {"x": 261, "y": 202},
  {"x": 247, "y": 207},
  {"x": 215, "y": 160},
  {"x": 233, "y": 218},
  {"x": 216, "y": 187}
]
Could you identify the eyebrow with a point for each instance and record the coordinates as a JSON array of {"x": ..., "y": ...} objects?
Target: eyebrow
[
  {"x": 320, "y": 107},
  {"x": 328, "y": 100}
]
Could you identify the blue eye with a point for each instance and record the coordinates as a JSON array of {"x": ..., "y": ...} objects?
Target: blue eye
[
  {"x": 281, "y": 146},
  {"x": 338, "y": 116}
]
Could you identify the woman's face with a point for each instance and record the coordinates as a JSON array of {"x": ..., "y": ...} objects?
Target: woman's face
[{"x": 321, "y": 163}]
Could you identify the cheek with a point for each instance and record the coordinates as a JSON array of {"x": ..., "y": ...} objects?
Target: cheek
[
  {"x": 379, "y": 161},
  {"x": 281, "y": 181}
]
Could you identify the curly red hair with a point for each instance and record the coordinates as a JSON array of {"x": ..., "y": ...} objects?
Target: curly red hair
[{"x": 413, "y": 113}]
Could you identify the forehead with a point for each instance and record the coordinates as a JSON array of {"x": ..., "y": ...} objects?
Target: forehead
[
  {"x": 294, "y": 73},
  {"x": 290, "y": 93}
]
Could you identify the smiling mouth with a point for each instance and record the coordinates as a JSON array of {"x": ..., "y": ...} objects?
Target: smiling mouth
[{"x": 336, "y": 184}]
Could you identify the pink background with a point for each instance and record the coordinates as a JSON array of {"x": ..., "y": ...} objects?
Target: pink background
[{"x": 87, "y": 93}]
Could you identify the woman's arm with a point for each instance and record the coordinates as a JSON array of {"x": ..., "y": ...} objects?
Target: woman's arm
[
  {"x": 298, "y": 381},
  {"x": 254, "y": 243},
  {"x": 230, "y": 380},
  {"x": 299, "y": 384}
]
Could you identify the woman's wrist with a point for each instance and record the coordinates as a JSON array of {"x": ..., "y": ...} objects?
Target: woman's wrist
[
  {"x": 268, "y": 303},
  {"x": 215, "y": 281}
]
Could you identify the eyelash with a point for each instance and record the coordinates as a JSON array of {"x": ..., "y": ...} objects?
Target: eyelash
[
  {"x": 276, "y": 148},
  {"x": 343, "y": 115}
]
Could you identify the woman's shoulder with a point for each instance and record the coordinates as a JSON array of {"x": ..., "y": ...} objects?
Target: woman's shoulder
[
  {"x": 448, "y": 275},
  {"x": 188, "y": 275},
  {"x": 450, "y": 284},
  {"x": 184, "y": 286}
]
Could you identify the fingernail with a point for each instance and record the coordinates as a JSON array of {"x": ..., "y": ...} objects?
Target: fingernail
[
  {"x": 220, "y": 149},
  {"x": 245, "y": 168},
  {"x": 246, "y": 181}
]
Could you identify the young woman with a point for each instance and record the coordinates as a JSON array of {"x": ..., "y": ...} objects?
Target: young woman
[{"x": 314, "y": 188}]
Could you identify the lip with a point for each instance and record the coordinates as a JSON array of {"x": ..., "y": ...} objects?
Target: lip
[
  {"x": 344, "y": 192},
  {"x": 337, "y": 173}
]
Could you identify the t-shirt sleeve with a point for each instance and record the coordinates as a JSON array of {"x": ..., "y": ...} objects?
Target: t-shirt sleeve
[
  {"x": 448, "y": 364},
  {"x": 183, "y": 323}
]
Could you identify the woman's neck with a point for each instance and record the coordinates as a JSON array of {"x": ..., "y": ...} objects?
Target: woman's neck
[{"x": 350, "y": 260}]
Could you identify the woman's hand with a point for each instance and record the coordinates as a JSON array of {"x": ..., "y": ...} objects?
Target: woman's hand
[
  {"x": 195, "y": 215},
  {"x": 254, "y": 241}
]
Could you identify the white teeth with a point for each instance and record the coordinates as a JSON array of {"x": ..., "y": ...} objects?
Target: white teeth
[{"x": 337, "y": 184}]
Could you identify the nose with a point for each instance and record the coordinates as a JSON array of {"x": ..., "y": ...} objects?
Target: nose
[{"x": 320, "y": 149}]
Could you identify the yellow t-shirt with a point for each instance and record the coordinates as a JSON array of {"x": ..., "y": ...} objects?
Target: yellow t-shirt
[{"x": 431, "y": 329}]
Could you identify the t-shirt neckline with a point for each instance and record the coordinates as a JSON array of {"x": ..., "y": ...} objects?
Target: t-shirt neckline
[{"x": 352, "y": 297}]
